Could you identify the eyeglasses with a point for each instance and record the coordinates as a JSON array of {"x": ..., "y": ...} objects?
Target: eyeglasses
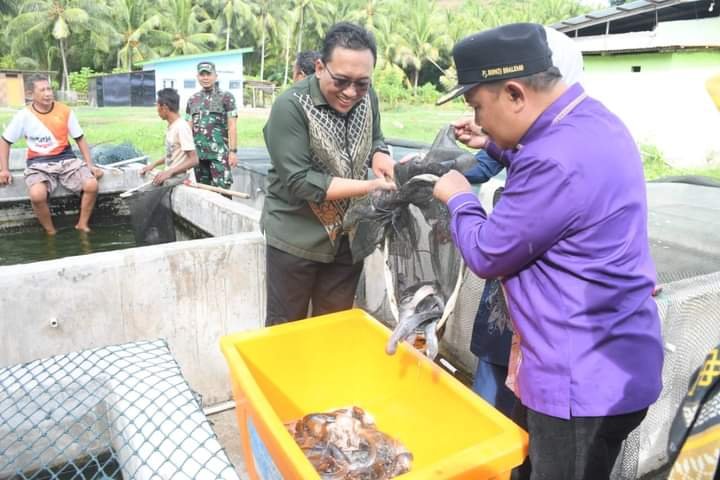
[{"x": 341, "y": 83}]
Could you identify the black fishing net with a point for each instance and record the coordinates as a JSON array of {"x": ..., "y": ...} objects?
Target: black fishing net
[
  {"x": 151, "y": 214},
  {"x": 423, "y": 267}
]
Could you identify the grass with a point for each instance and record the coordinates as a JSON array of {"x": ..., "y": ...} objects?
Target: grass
[
  {"x": 142, "y": 127},
  {"x": 420, "y": 123},
  {"x": 655, "y": 166}
]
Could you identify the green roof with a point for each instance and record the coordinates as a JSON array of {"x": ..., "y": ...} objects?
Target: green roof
[{"x": 196, "y": 56}]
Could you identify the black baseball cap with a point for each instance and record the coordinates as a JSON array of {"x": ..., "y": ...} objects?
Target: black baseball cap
[
  {"x": 206, "y": 67},
  {"x": 510, "y": 51}
]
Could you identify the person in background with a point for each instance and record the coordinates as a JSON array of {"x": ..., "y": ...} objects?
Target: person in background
[
  {"x": 322, "y": 135},
  {"x": 212, "y": 115},
  {"x": 305, "y": 64},
  {"x": 180, "y": 154},
  {"x": 491, "y": 335},
  {"x": 46, "y": 125},
  {"x": 569, "y": 240}
]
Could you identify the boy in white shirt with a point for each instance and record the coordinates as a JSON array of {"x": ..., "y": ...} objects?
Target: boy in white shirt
[{"x": 180, "y": 154}]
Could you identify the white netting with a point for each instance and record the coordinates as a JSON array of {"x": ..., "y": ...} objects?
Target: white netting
[
  {"x": 118, "y": 412},
  {"x": 690, "y": 313}
]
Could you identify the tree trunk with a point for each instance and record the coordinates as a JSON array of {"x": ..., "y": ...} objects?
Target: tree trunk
[
  {"x": 129, "y": 58},
  {"x": 228, "y": 19},
  {"x": 262, "y": 49},
  {"x": 300, "y": 28},
  {"x": 65, "y": 79},
  {"x": 287, "y": 55},
  {"x": 370, "y": 11}
]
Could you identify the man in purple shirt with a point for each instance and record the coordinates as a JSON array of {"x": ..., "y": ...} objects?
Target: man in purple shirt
[{"x": 569, "y": 240}]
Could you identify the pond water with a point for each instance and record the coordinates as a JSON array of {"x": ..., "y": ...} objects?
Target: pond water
[
  {"x": 108, "y": 233},
  {"x": 33, "y": 245}
]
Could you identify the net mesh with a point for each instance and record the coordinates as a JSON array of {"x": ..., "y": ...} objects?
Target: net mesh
[
  {"x": 151, "y": 214},
  {"x": 105, "y": 153},
  {"x": 690, "y": 313},
  {"x": 412, "y": 227},
  {"x": 119, "y": 412}
]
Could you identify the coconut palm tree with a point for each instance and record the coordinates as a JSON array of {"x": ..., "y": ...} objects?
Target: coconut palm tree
[
  {"x": 388, "y": 38},
  {"x": 229, "y": 15},
  {"x": 8, "y": 7},
  {"x": 422, "y": 36},
  {"x": 285, "y": 30},
  {"x": 61, "y": 18},
  {"x": 136, "y": 21},
  {"x": 185, "y": 28},
  {"x": 308, "y": 14},
  {"x": 371, "y": 11},
  {"x": 262, "y": 9},
  {"x": 551, "y": 11}
]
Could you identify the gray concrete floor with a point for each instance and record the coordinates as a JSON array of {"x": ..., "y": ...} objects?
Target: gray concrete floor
[{"x": 225, "y": 426}]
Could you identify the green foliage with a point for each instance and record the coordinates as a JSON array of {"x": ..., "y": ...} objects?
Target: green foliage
[
  {"x": 415, "y": 35},
  {"x": 655, "y": 166},
  {"x": 389, "y": 84},
  {"x": 426, "y": 95},
  {"x": 79, "y": 80},
  {"x": 654, "y": 162},
  {"x": 7, "y": 61}
]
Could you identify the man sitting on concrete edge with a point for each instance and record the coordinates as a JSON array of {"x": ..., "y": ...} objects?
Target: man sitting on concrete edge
[{"x": 45, "y": 124}]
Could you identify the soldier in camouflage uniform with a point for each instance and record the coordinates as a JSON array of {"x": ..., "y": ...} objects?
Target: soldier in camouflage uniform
[{"x": 212, "y": 115}]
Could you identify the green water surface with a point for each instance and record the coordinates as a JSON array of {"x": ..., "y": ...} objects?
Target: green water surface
[{"x": 33, "y": 245}]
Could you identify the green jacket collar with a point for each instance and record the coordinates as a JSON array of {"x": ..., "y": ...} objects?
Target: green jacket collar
[{"x": 315, "y": 93}]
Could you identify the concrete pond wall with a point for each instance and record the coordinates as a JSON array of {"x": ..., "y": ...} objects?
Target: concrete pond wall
[{"x": 188, "y": 292}]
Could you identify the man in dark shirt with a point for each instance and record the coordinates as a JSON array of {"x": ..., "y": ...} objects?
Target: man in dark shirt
[
  {"x": 305, "y": 64},
  {"x": 322, "y": 135}
]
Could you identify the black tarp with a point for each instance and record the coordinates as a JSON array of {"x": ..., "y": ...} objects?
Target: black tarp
[{"x": 134, "y": 89}]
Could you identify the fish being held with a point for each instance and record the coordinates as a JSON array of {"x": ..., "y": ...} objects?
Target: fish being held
[{"x": 419, "y": 310}]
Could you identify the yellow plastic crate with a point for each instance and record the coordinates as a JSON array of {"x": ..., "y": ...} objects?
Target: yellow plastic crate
[{"x": 284, "y": 372}]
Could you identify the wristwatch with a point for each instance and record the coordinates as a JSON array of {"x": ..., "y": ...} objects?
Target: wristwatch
[
  {"x": 233, "y": 150},
  {"x": 383, "y": 148}
]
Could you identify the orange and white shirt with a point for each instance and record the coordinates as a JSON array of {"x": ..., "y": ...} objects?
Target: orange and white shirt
[{"x": 47, "y": 134}]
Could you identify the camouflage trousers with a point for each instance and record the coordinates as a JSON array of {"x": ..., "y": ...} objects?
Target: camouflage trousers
[{"x": 215, "y": 172}]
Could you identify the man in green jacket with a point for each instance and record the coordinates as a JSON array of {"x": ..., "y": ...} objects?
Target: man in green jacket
[{"x": 323, "y": 134}]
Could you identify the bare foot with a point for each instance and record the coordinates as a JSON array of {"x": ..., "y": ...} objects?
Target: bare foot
[
  {"x": 84, "y": 229},
  {"x": 51, "y": 233}
]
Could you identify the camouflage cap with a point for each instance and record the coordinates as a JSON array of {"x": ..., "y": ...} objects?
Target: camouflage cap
[{"x": 206, "y": 67}]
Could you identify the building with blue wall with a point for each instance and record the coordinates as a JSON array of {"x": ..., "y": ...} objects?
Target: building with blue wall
[{"x": 180, "y": 72}]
